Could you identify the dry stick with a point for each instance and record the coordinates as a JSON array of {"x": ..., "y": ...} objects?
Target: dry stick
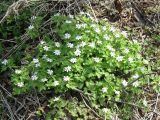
[
  {"x": 8, "y": 107},
  {"x": 155, "y": 107},
  {"x": 94, "y": 112},
  {"x": 10, "y": 95},
  {"x": 10, "y": 40}
]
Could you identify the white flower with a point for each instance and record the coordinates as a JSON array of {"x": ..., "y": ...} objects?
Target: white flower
[
  {"x": 70, "y": 45},
  {"x": 57, "y": 44},
  {"x": 49, "y": 60},
  {"x": 117, "y": 92},
  {"x": 124, "y": 83},
  {"x": 119, "y": 58},
  {"x": 135, "y": 41},
  {"x": 57, "y": 14},
  {"x": 112, "y": 54},
  {"x": 30, "y": 27},
  {"x": 4, "y": 62},
  {"x": 130, "y": 59},
  {"x": 92, "y": 45},
  {"x": 37, "y": 65},
  {"x": 55, "y": 83},
  {"x": 67, "y": 35},
  {"x": 18, "y": 71},
  {"x": 96, "y": 59},
  {"x": 145, "y": 62},
  {"x": 44, "y": 57},
  {"x": 66, "y": 78},
  {"x": 145, "y": 102},
  {"x": 73, "y": 60},
  {"x": 83, "y": 44},
  {"x": 104, "y": 90},
  {"x": 56, "y": 99},
  {"x": 68, "y": 21},
  {"x": 126, "y": 50},
  {"x": 70, "y": 16},
  {"x": 20, "y": 84},
  {"x": 82, "y": 13},
  {"x": 97, "y": 30},
  {"x": 78, "y": 26},
  {"x": 34, "y": 77},
  {"x": 112, "y": 29},
  {"x": 105, "y": 110},
  {"x": 104, "y": 28},
  {"x": 77, "y": 52},
  {"x": 124, "y": 33},
  {"x": 44, "y": 79},
  {"x": 136, "y": 84},
  {"x": 67, "y": 69},
  {"x": 46, "y": 48},
  {"x": 35, "y": 60},
  {"x": 135, "y": 76},
  {"x": 50, "y": 72},
  {"x": 33, "y": 17},
  {"x": 109, "y": 47},
  {"x": 42, "y": 42},
  {"x": 78, "y": 37},
  {"x": 106, "y": 37},
  {"x": 57, "y": 52}
]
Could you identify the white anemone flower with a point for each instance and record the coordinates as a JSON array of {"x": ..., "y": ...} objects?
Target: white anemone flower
[
  {"x": 67, "y": 69},
  {"x": 73, "y": 60},
  {"x": 57, "y": 52},
  {"x": 5, "y": 62},
  {"x": 124, "y": 83},
  {"x": 67, "y": 35},
  {"x": 20, "y": 84},
  {"x": 66, "y": 78},
  {"x": 55, "y": 83},
  {"x": 104, "y": 90},
  {"x": 77, "y": 52},
  {"x": 50, "y": 72},
  {"x": 70, "y": 45},
  {"x": 119, "y": 58}
]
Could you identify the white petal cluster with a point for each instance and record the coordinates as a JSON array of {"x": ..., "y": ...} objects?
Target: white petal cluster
[
  {"x": 70, "y": 45},
  {"x": 55, "y": 83},
  {"x": 57, "y": 44},
  {"x": 46, "y": 48},
  {"x": 77, "y": 52},
  {"x": 104, "y": 90},
  {"x": 96, "y": 59},
  {"x": 57, "y": 52},
  {"x": 18, "y": 71},
  {"x": 124, "y": 83},
  {"x": 50, "y": 72},
  {"x": 67, "y": 35},
  {"x": 67, "y": 69},
  {"x": 34, "y": 77},
  {"x": 5, "y": 62},
  {"x": 30, "y": 27},
  {"x": 44, "y": 79},
  {"x": 66, "y": 78},
  {"x": 20, "y": 84},
  {"x": 119, "y": 58},
  {"x": 78, "y": 37},
  {"x": 73, "y": 60}
]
